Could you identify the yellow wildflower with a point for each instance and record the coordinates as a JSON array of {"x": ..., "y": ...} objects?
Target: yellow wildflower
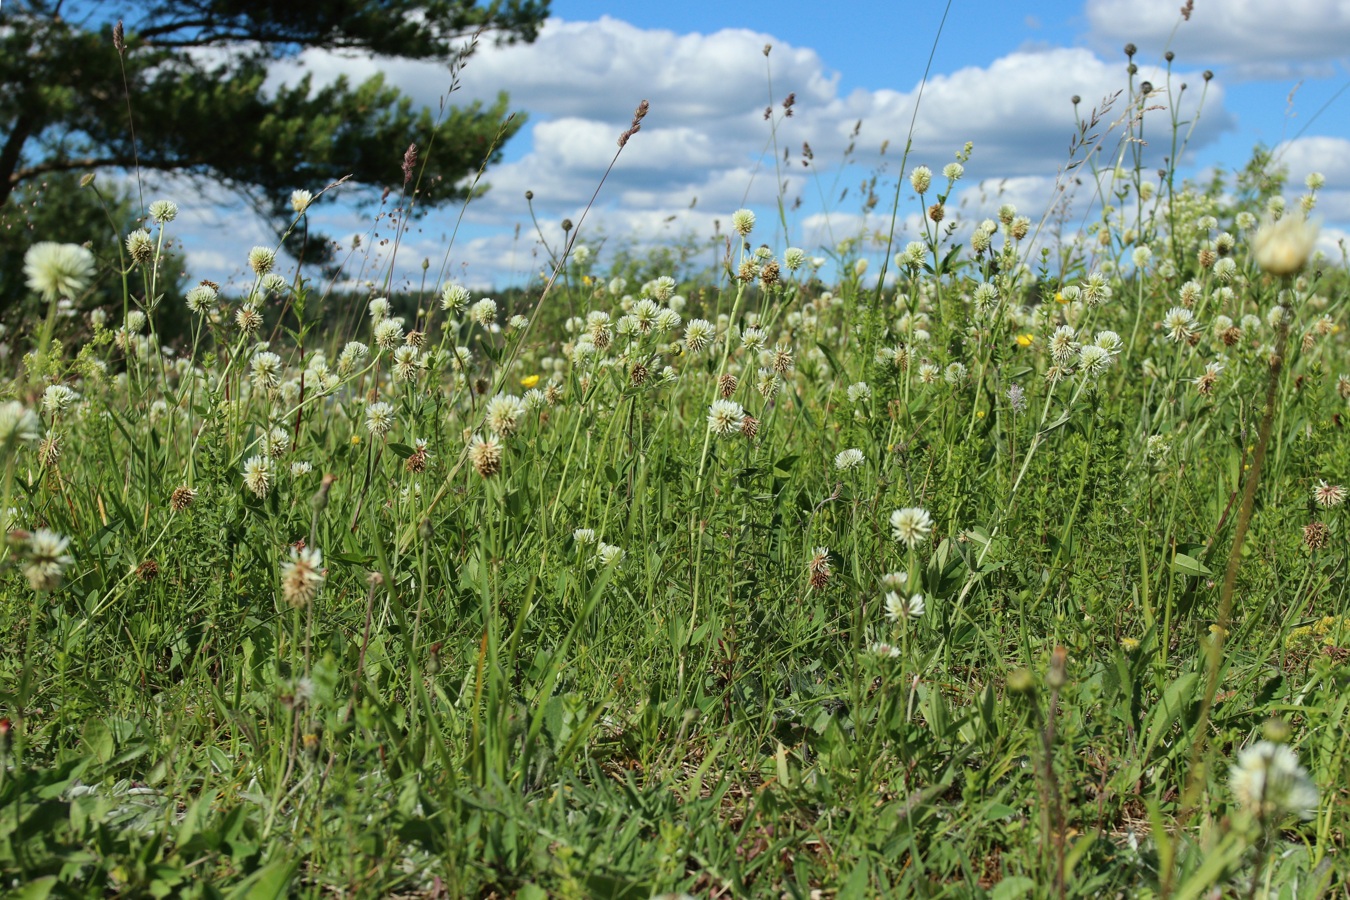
[
  {"x": 1129, "y": 644},
  {"x": 529, "y": 381},
  {"x": 1059, "y": 297},
  {"x": 1025, "y": 340}
]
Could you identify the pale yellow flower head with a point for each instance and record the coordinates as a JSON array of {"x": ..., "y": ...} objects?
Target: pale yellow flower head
[{"x": 1283, "y": 246}]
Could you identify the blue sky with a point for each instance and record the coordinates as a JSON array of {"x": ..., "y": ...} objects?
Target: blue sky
[{"x": 1001, "y": 77}]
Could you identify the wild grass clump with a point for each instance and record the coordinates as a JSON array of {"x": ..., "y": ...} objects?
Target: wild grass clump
[{"x": 1017, "y": 572}]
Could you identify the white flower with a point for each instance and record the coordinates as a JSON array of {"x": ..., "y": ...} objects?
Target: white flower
[
  {"x": 484, "y": 312},
  {"x": 1179, "y": 323},
  {"x": 18, "y": 424},
  {"x": 849, "y": 459},
  {"x": 302, "y": 576},
  {"x": 894, "y": 581},
  {"x": 911, "y": 525},
  {"x": 921, "y": 178},
  {"x": 698, "y": 334},
  {"x": 44, "y": 559},
  {"x": 743, "y": 220},
  {"x": 859, "y": 392},
  {"x": 725, "y": 417},
  {"x": 389, "y": 333},
  {"x": 300, "y": 200},
  {"x": 266, "y": 369},
  {"x": 380, "y": 418},
  {"x": 584, "y": 535},
  {"x": 57, "y": 398},
  {"x": 1270, "y": 783},
  {"x": 261, "y": 259},
  {"x": 163, "y": 211},
  {"x": 258, "y": 475},
  {"x": 899, "y": 607},
  {"x": 504, "y": 413},
  {"x": 1281, "y": 247},
  {"x": 608, "y": 554}
]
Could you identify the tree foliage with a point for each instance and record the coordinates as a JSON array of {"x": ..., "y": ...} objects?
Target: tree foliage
[{"x": 181, "y": 86}]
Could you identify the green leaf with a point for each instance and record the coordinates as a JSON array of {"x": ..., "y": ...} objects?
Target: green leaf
[{"x": 1189, "y": 565}]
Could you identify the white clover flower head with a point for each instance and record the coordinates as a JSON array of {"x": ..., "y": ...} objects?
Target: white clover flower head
[
  {"x": 1096, "y": 290},
  {"x": 1269, "y": 783},
  {"x": 725, "y": 417},
  {"x": 953, "y": 171},
  {"x": 899, "y": 607},
  {"x": 663, "y": 288},
  {"x": 1141, "y": 256},
  {"x": 928, "y": 373},
  {"x": 380, "y": 418},
  {"x": 266, "y": 369},
  {"x": 504, "y": 414},
  {"x": 485, "y": 454},
  {"x": 859, "y": 268},
  {"x": 378, "y": 309},
  {"x": 484, "y": 312},
  {"x": 644, "y": 315},
  {"x": 389, "y": 333},
  {"x": 1282, "y": 246},
  {"x": 300, "y": 200},
  {"x": 1093, "y": 361},
  {"x": 163, "y": 211},
  {"x": 608, "y": 554},
  {"x": 921, "y": 179},
  {"x": 1110, "y": 342},
  {"x": 135, "y": 321},
  {"x": 1249, "y": 322},
  {"x": 272, "y": 283},
  {"x": 859, "y": 392},
  {"x": 883, "y": 650},
  {"x": 18, "y": 424},
  {"x": 911, "y": 525},
  {"x": 580, "y": 254},
  {"x": 406, "y": 362},
  {"x": 301, "y": 468},
  {"x": 584, "y": 536},
  {"x": 1276, "y": 315},
  {"x": 454, "y": 297},
  {"x": 667, "y": 320},
  {"x": 955, "y": 374},
  {"x": 278, "y": 442},
  {"x": 1314, "y": 181},
  {"x": 767, "y": 383},
  {"x": 793, "y": 258},
  {"x": 43, "y": 559},
  {"x": 302, "y": 576},
  {"x": 261, "y": 260},
  {"x": 616, "y": 286},
  {"x": 698, "y": 335},
  {"x": 1225, "y": 269},
  {"x": 985, "y": 298},
  {"x": 140, "y": 246},
  {"x": 894, "y": 581},
  {"x": 258, "y": 475},
  {"x": 58, "y": 270},
  {"x": 915, "y": 254},
  {"x": 743, "y": 220},
  {"x": 57, "y": 398},
  {"x": 851, "y": 458},
  {"x": 200, "y": 299},
  {"x": 754, "y": 339},
  {"x": 1179, "y": 324}
]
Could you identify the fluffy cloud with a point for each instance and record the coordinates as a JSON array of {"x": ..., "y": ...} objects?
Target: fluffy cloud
[
  {"x": 706, "y": 148},
  {"x": 1256, "y": 38}
]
